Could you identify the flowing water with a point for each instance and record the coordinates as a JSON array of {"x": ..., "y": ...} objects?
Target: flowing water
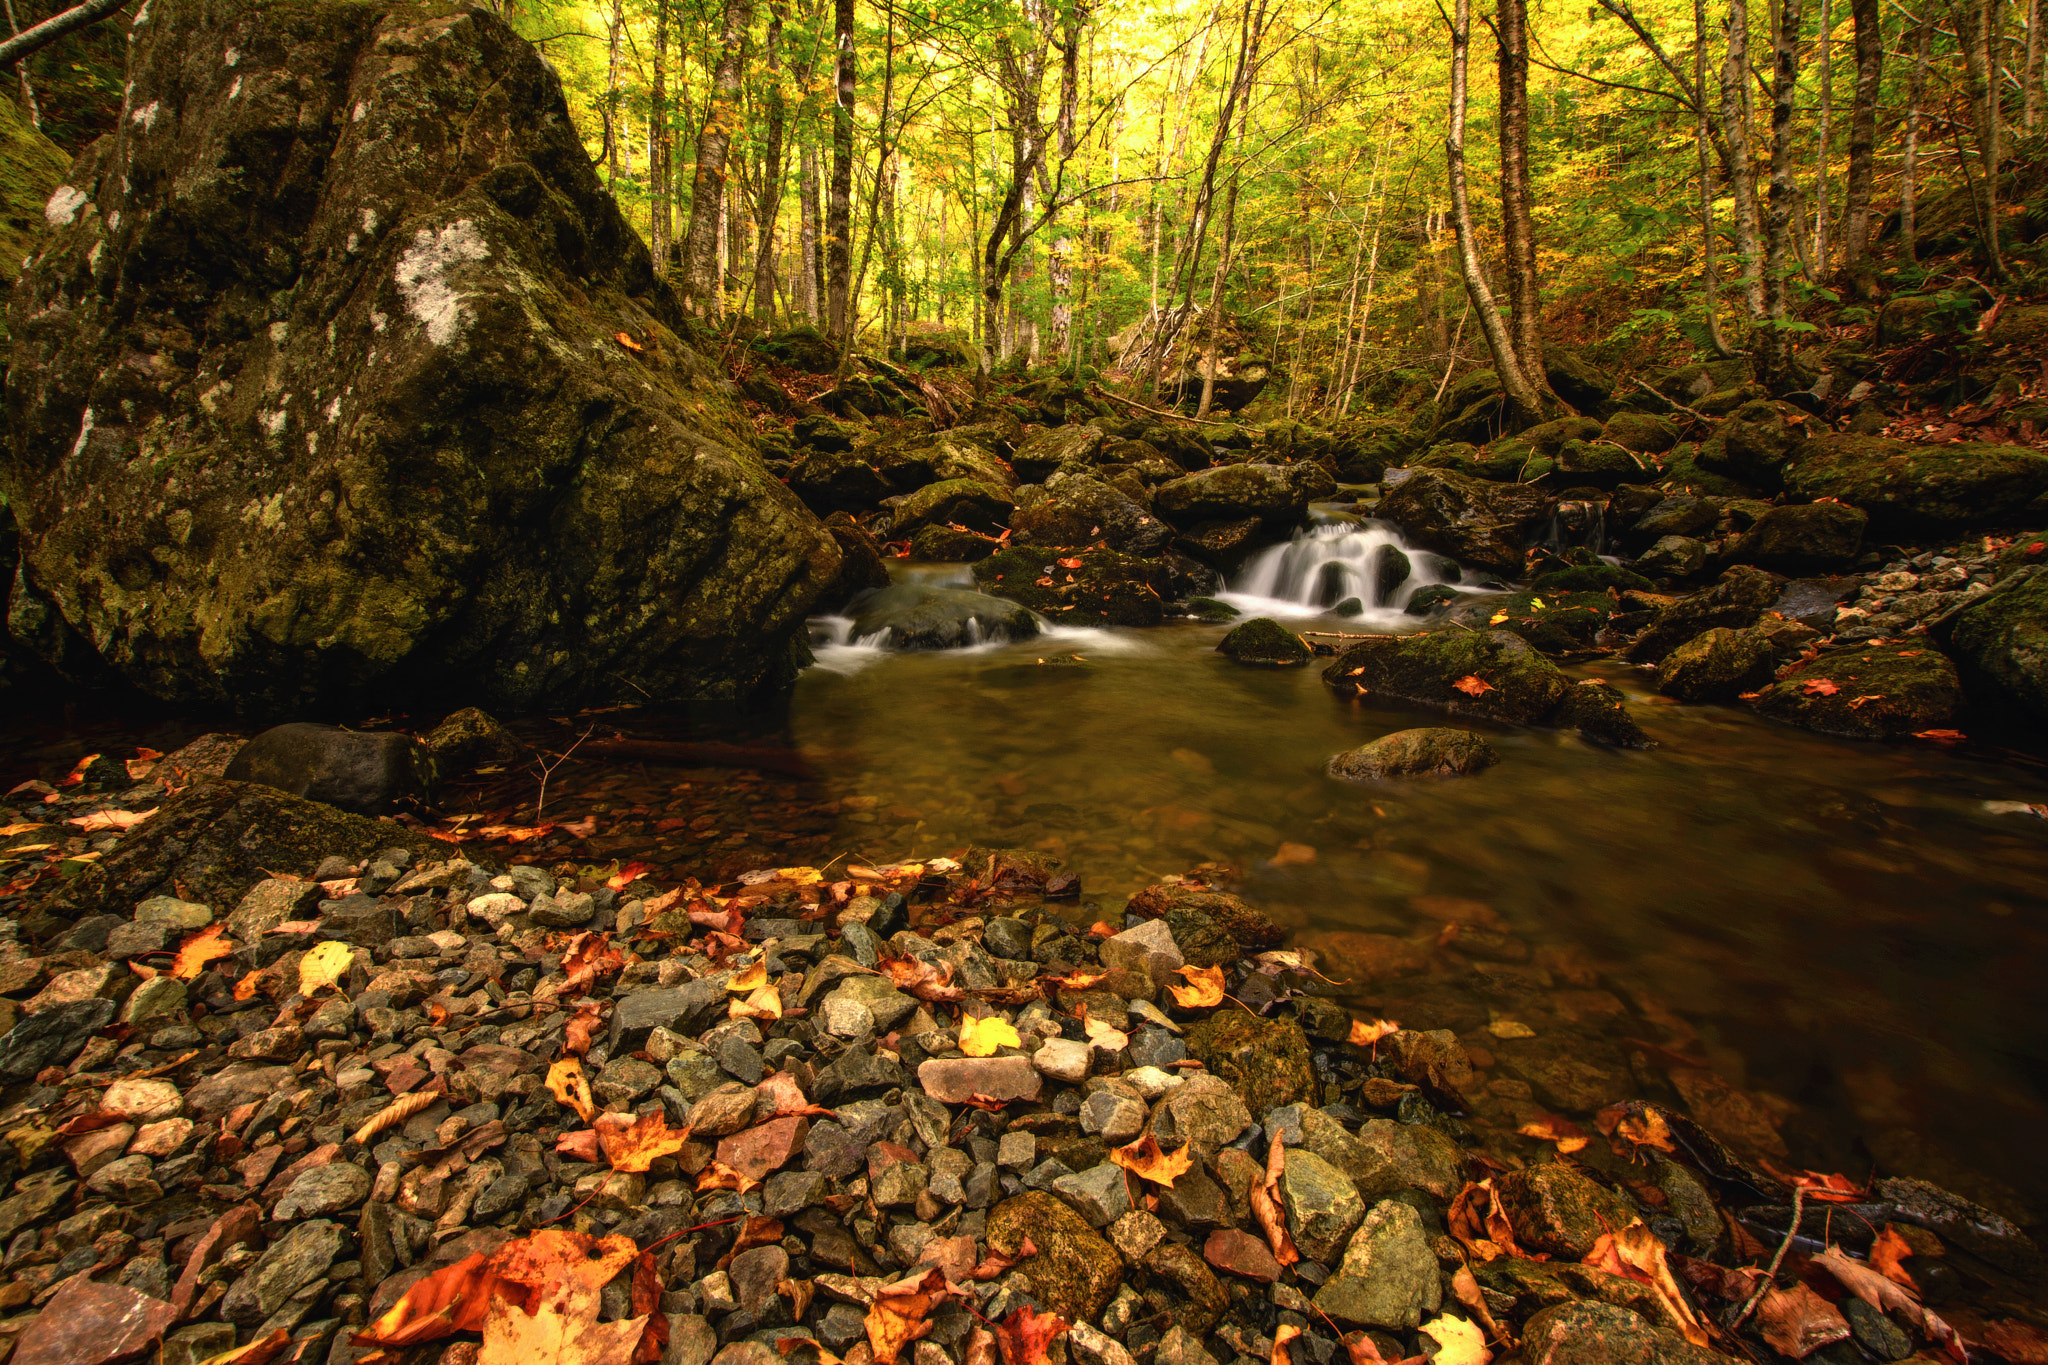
[{"x": 1849, "y": 933}]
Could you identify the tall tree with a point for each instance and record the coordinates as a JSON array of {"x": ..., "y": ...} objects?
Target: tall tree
[
  {"x": 701, "y": 273},
  {"x": 1868, "y": 17},
  {"x": 1735, "y": 123},
  {"x": 658, "y": 142},
  {"x": 1709, "y": 284},
  {"x": 1517, "y": 225},
  {"x": 1060, "y": 270},
  {"x": 1774, "y": 350},
  {"x": 769, "y": 193},
  {"x": 1513, "y": 377},
  {"x": 1975, "y": 25},
  {"x": 839, "y": 198},
  {"x": 1909, "y": 169},
  {"x": 614, "y": 43}
]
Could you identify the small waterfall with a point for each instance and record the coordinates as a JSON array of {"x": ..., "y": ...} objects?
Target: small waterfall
[
  {"x": 836, "y": 649},
  {"x": 1329, "y": 562}
]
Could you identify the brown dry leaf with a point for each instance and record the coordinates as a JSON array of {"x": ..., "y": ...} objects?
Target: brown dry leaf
[
  {"x": 1885, "y": 1296},
  {"x": 1465, "y": 1285},
  {"x": 752, "y": 979},
  {"x": 634, "y": 1144},
  {"x": 981, "y": 1037},
  {"x": 259, "y": 1352},
  {"x": 1797, "y": 1322},
  {"x": 898, "y": 1316},
  {"x": 1362, "y": 1352},
  {"x": 395, "y": 1113},
  {"x": 567, "y": 1083},
  {"x": 1144, "y": 1160},
  {"x": 1634, "y": 1253},
  {"x": 1458, "y": 1342},
  {"x": 562, "y": 1330},
  {"x": 582, "y": 1027},
  {"x": 929, "y": 983},
  {"x": 1079, "y": 979},
  {"x": 764, "y": 1003},
  {"x": 627, "y": 341},
  {"x": 1369, "y": 1034},
  {"x": 1026, "y": 1334},
  {"x": 1105, "y": 1036},
  {"x": 1265, "y": 1197},
  {"x": 201, "y": 948},
  {"x": 1887, "y": 1252},
  {"x": 1204, "y": 988},
  {"x": 323, "y": 966},
  {"x": 101, "y": 820},
  {"x": 719, "y": 1176},
  {"x": 1472, "y": 685},
  {"x": 1481, "y": 1226},
  {"x": 1281, "y": 1336},
  {"x": 453, "y": 1299},
  {"x": 1819, "y": 687},
  {"x": 995, "y": 1263}
]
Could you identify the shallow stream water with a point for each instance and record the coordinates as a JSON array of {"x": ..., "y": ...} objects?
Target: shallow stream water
[{"x": 1839, "y": 940}]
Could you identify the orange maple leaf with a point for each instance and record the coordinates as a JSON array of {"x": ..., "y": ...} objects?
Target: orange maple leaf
[
  {"x": 1369, "y": 1034},
  {"x": 567, "y": 1083},
  {"x": 1885, "y": 1254},
  {"x": 898, "y": 1316},
  {"x": 634, "y": 1144},
  {"x": 1069, "y": 563},
  {"x": 1634, "y": 1253},
  {"x": 1819, "y": 687},
  {"x": 1144, "y": 1160},
  {"x": 1026, "y": 1335},
  {"x": 199, "y": 949},
  {"x": 630, "y": 344},
  {"x": 1204, "y": 988},
  {"x": 1472, "y": 685},
  {"x": 582, "y": 1027},
  {"x": 627, "y": 875}
]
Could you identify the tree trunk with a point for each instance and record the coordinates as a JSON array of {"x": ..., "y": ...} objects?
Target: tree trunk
[
  {"x": 1909, "y": 168},
  {"x": 613, "y": 44},
  {"x": 1974, "y": 24},
  {"x": 1735, "y": 122},
  {"x": 1209, "y": 358},
  {"x": 657, "y": 144},
  {"x": 1709, "y": 285},
  {"x": 1517, "y": 227},
  {"x": 28, "y": 90},
  {"x": 771, "y": 173},
  {"x": 1513, "y": 378},
  {"x": 1868, "y": 16},
  {"x": 839, "y": 200},
  {"x": 2030, "y": 78},
  {"x": 1774, "y": 350},
  {"x": 702, "y": 276},
  {"x": 1819, "y": 265},
  {"x": 810, "y": 271},
  {"x": 1060, "y": 262}
]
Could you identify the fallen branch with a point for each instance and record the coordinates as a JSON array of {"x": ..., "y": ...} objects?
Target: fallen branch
[
  {"x": 1156, "y": 412},
  {"x": 1763, "y": 1286},
  {"x": 55, "y": 27},
  {"x": 1695, "y": 412}
]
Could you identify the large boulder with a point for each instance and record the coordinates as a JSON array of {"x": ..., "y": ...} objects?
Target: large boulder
[
  {"x": 1487, "y": 525},
  {"x": 369, "y": 772},
  {"x": 1082, "y": 588},
  {"x": 1870, "y": 691},
  {"x": 340, "y": 381},
  {"x": 1079, "y": 509},
  {"x": 1276, "y": 495},
  {"x": 1812, "y": 538},
  {"x": 1491, "y": 673},
  {"x": 1755, "y": 441},
  {"x": 2001, "y": 643},
  {"x": 918, "y": 617},
  {"x": 1434, "y": 751},
  {"x": 1909, "y": 489},
  {"x": 1048, "y": 450},
  {"x": 1742, "y": 595}
]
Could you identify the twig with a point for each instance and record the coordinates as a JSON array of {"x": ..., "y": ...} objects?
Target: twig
[
  {"x": 1178, "y": 417},
  {"x": 547, "y": 770},
  {"x": 1798, "y": 1210},
  {"x": 1695, "y": 412},
  {"x": 1337, "y": 635}
]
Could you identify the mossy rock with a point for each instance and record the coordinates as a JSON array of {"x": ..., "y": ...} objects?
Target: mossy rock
[
  {"x": 1717, "y": 666},
  {"x": 1599, "y": 712},
  {"x": 1074, "y": 1271},
  {"x": 1252, "y": 930},
  {"x": 1641, "y": 432},
  {"x": 1265, "y": 641},
  {"x": 1742, "y": 595},
  {"x": 1491, "y": 673},
  {"x": 31, "y": 169},
  {"x": 1909, "y": 489},
  {"x": 1868, "y": 691},
  {"x": 1555, "y": 1209},
  {"x": 1546, "y": 437},
  {"x": 944, "y": 545},
  {"x": 1599, "y": 463},
  {"x": 1266, "y": 1061},
  {"x": 1694, "y": 468},
  {"x": 1431, "y": 599},
  {"x": 1434, "y": 751},
  {"x": 1104, "y": 588},
  {"x": 1203, "y": 942},
  {"x": 1210, "y": 610},
  {"x": 2001, "y": 643},
  {"x": 1590, "y": 578},
  {"x": 1553, "y": 623},
  {"x": 969, "y": 502}
]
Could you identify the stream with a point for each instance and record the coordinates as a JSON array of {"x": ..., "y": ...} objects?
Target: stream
[{"x": 1846, "y": 933}]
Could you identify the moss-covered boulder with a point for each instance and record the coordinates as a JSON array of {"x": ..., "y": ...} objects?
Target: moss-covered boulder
[
  {"x": 1742, "y": 595},
  {"x": 1435, "y": 751},
  {"x": 1590, "y": 578},
  {"x": 1694, "y": 467},
  {"x": 1073, "y": 1271},
  {"x": 1080, "y": 588},
  {"x": 2001, "y": 643},
  {"x": 1045, "y": 451},
  {"x": 1592, "y": 1333},
  {"x": 1249, "y": 927},
  {"x": 1872, "y": 691},
  {"x": 1598, "y": 464},
  {"x": 1492, "y": 673},
  {"x": 1556, "y": 623},
  {"x": 1800, "y": 539},
  {"x": 1266, "y": 1061},
  {"x": 1264, "y": 641},
  {"x": 1212, "y": 611},
  {"x": 341, "y": 383},
  {"x": 1080, "y": 509},
  {"x": 1555, "y": 1209},
  {"x": 1277, "y": 496},
  {"x": 1546, "y": 437},
  {"x": 1599, "y": 712},
  {"x": 215, "y": 839},
  {"x": 952, "y": 502},
  {"x": 917, "y": 617},
  {"x": 1487, "y": 525},
  {"x": 945, "y": 545},
  {"x": 31, "y": 169},
  {"x": 1755, "y": 441},
  {"x": 1909, "y": 489},
  {"x": 1641, "y": 432},
  {"x": 1717, "y": 666}
]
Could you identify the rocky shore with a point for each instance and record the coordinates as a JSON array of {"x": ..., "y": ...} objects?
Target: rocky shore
[{"x": 310, "y": 1104}]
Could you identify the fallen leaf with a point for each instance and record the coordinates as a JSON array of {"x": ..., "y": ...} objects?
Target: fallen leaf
[
  {"x": 562, "y": 1330},
  {"x": 580, "y": 1145},
  {"x": 1829, "y": 1189},
  {"x": 995, "y": 1263},
  {"x": 452, "y": 1299},
  {"x": 21, "y": 828},
  {"x": 627, "y": 875},
  {"x": 1204, "y": 988},
  {"x": 582, "y": 1027},
  {"x": 77, "y": 773},
  {"x": 323, "y": 966},
  {"x": 1068, "y": 563},
  {"x": 1635, "y": 1253},
  {"x": 1465, "y": 1285},
  {"x": 981, "y": 1037},
  {"x": 1369, "y": 1034},
  {"x": 719, "y": 1176},
  {"x": 1026, "y": 1334},
  {"x": 259, "y": 1352},
  {"x": 928, "y": 982},
  {"x": 1510, "y": 1028},
  {"x": 898, "y": 1315},
  {"x": 1079, "y": 979},
  {"x": 1266, "y": 1207},
  {"x": 1797, "y": 1322},
  {"x": 1362, "y": 1352},
  {"x": 1105, "y": 1036},
  {"x": 1887, "y": 1252},
  {"x": 395, "y": 1113},
  {"x": 1496, "y": 618},
  {"x": 199, "y": 949},
  {"x": 1819, "y": 687},
  {"x": 1887, "y": 1297},
  {"x": 752, "y": 979},
  {"x": 567, "y": 1083},
  {"x": 626, "y": 341},
  {"x": 1472, "y": 685},
  {"x": 764, "y": 1003},
  {"x": 1479, "y": 1224},
  {"x": 110, "y": 819},
  {"x": 1144, "y": 1160},
  {"x": 1458, "y": 1342},
  {"x": 633, "y": 1145},
  {"x": 1941, "y": 736},
  {"x": 1282, "y": 1335},
  {"x": 1568, "y": 1136}
]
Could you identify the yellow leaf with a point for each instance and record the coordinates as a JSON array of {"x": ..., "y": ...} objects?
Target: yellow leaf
[
  {"x": 1144, "y": 1160},
  {"x": 1496, "y": 618},
  {"x": 12, "y": 830},
  {"x": 1365, "y": 1035},
  {"x": 1204, "y": 988},
  {"x": 324, "y": 966},
  {"x": 981, "y": 1037},
  {"x": 764, "y": 1003},
  {"x": 801, "y": 876},
  {"x": 1462, "y": 1342},
  {"x": 568, "y": 1084},
  {"x": 752, "y": 979}
]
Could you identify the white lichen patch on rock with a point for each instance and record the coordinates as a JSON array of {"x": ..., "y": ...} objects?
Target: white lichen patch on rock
[
  {"x": 431, "y": 296},
  {"x": 64, "y": 206}
]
